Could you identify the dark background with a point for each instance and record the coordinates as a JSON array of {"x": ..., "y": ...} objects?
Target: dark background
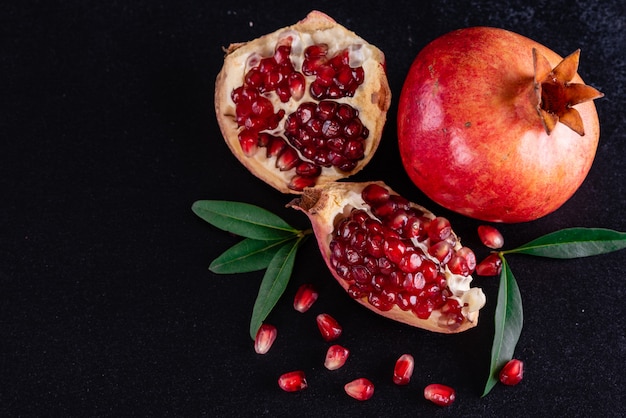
[{"x": 107, "y": 308}]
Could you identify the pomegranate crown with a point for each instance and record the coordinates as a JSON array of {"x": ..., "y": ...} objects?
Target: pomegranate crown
[{"x": 556, "y": 93}]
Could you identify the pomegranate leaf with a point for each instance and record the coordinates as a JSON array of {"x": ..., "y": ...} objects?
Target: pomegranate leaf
[
  {"x": 574, "y": 243},
  {"x": 247, "y": 255},
  {"x": 274, "y": 283},
  {"x": 243, "y": 219},
  {"x": 508, "y": 324}
]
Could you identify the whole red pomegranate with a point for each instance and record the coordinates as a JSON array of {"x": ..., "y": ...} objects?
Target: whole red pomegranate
[
  {"x": 303, "y": 105},
  {"x": 393, "y": 256},
  {"x": 496, "y": 126}
]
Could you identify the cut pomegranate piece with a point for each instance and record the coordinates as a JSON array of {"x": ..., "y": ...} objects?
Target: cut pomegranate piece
[
  {"x": 305, "y": 297},
  {"x": 393, "y": 256},
  {"x": 439, "y": 394},
  {"x": 512, "y": 372},
  {"x": 293, "y": 381},
  {"x": 264, "y": 339},
  {"x": 403, "y": 370},
  {"x": 360, "y": 389},
  {"x": 490, "y": 236},
  {"x": 318, "y": 87},
  {"x": 329, "y": 327},
  {"x": 336, "y": 357}
]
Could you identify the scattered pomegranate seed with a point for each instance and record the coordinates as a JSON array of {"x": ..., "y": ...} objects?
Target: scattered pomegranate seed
[
  {"x": 336, "y": 357},
  {"x": 512, "y": 372},
  {"x": 490, "y": 266},
  {"x": 292, "y": 381},
  {"x": 360, "y": 389},
  {"x": 264, "y": 339},
  {"x": 305, "y": 297},
  {"x": 490, "y": 236},
  {"x": 328, "y": 326},
  {"x": 439, "y": 394},
  {"x": 403, "y": 370}
]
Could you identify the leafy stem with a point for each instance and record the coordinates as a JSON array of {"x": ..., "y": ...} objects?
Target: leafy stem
[
  {"x": 269, "y": 244},
  {"x": 563, "y": 244}
]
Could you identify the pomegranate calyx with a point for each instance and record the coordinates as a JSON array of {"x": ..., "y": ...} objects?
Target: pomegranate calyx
[{"x": 556, "y": 94}]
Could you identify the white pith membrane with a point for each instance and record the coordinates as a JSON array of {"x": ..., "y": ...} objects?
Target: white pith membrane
[
  {"x": 328, "y": 204},
  {"x": 372, "y": 98}
]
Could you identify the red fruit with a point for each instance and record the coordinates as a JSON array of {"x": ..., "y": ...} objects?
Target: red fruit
[
  {"x": 490, "y": 266},
  {"x": 403, "y": 370},
  {"x": 439, "y": 394},
  {"x": 305, "y": 298},
  {"x": 293, "y": 381},
  {"x": 490, "y": 236},
  {"x": 384, "y": 264},
  {"x": 328, "y": 326},
  {"x": 264, "y": 339},
  {"x": 496, "y": 126},
  {"x": 336, "y": 357},
  {"x": 360, "y": 389},
  {"x": 282, "y": 85},
  {"x": 512, "y": 372}
]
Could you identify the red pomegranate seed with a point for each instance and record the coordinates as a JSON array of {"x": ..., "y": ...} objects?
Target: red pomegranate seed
[
  {"x": 329, "y": 327},
  {"x": 469, "y": 256},
  {"x": 264, "y": 339},
  {"x": 360, "y": 389},
  {"x": 305, "y": 297},
  {"x": 403, "y": 370},
  {"x": 512, "y": 372},
  {"x": 374, "y": 194},
  {"x": 293, "y": 381},
  {"x": 439, "y": 394},
  {"x": 490, "y": 266},
  {"x": 439, "y": 229},
  {"x": 458, "y": 265},
  {"x": 336, "y": 357},
  {"x": 287, "y": 159},
  {"x": 490, "y": 236},
  {"x": 299, "y": 183}
]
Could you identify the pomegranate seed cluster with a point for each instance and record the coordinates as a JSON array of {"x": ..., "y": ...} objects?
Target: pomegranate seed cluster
[
  {"x": 321, "y": 132},
  {"x": 395, "y": 255}
]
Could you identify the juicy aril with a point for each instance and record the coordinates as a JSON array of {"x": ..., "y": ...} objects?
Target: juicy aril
[
  {"x": 393, "y": 256},
  {"x": 496, "y": 126},
  {"x": 303, "y": 105}
]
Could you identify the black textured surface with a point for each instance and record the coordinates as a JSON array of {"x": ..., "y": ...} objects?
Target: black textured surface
[{"x": 107, "y": 307}]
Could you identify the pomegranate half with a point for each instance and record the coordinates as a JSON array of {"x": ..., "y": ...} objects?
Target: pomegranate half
[
  {"x": 496, "y": 126},
  {"x": 303, "y": 105},
  {"x": 394, "y": 257}
]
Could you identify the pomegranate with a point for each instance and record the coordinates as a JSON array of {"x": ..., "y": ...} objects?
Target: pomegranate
[
  {"x": 303, "y": 105},
  {"x": 393, "y": 256},
  {"x": 496, "y": 126}
]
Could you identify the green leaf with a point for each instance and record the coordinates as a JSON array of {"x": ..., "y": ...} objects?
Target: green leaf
[
  {"x": 574, "y": 243},
  {"x": 247, "y": 255},
  {"x": 508, "y": 324},
  {"x": 273, "y": 284},
  {"x": 243, "y": 219}
]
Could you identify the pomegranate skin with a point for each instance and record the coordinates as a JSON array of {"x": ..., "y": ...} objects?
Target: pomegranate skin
[{"x": 471, "y": 137}]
